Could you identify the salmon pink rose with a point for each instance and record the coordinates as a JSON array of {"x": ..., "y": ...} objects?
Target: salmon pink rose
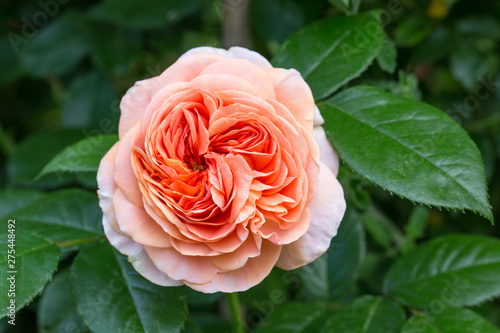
[{"x": 222, "y": 172}]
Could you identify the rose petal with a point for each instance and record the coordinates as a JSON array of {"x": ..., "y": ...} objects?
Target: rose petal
[
  {"x": 158, "y": 100},
  {"x": 134, "y": 103},
  {"x": 327, "y": 154},
  {"x": 273, "y": 231},
  {"x": 231, "y": 242},
  {"x": 233, "y": 52},
  {"x": 246, "y": 70},
  {"x": 124, "y": 175},
  {"x": 137, "y": 256},
  {"x": 327, "y": 209},
  {"x": 243, "y": 53},
  {"x": 293, "y": 92},
  {"x": 318, "y": 118},
  {"x": 239, "y": 257},
  {"x": 137, "y": 224},
  {"x": 193, "y": 269},
  {"x": 223, "y": 82},
  {"x": 255, "y": 270},
  {"x": 187, "y": 67},
  {"x": 192, "y": 248},
  {"x": 106, "y": 182}
]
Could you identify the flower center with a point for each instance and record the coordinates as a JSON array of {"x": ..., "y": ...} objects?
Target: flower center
[{"x": 197, "y": 165}]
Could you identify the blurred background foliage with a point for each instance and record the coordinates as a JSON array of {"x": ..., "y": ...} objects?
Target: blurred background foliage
[{"x": 64, "y": 65}]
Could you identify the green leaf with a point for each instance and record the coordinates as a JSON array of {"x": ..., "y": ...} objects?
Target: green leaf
[
  {"x": 315, "y": 276},
  {"x": 456, "y": 270},
  {"x": 209, "y": 322},
  {"x": 333, "y": 274},
  {"x": 348, "y": 7},
  {"x": 478, "y": 27},
  {"x": 387, "y": 56},
  {"x": 346, "y": 254},
  {"x": 14, "y": 200},
  {"x": 54, "y": 49},
  {"x": 34, "y": 153},
  {"x": 417, "y": 222},
  {"x": 83, "y": 156},
  {"x": 6, "y": 141},
  {"x": 367, "y": 314},
  {"x": 331, "y": 52},
  {"x": 438, "y": 45},
  {"x": 407, "y": 86},
  {"x": 383, "y": 230},
  {"x": 112, "y": 297},
  {"x": 378, "y": 229},
  {"x": 113, "y": 48},
  {"x": 449, "y": 320},
  {"x": 63, "y": 216},
  {"x": 276, "y": 20},
  {"x": 450, "y": 3},
  {"x": 342, "y": 5},
  {"x": 274, "y": 290},
  {"x": 407, "y": 147},
  {"x": 412, "y": 31},
  {"x": 35, "y": 261},
  {"x": 88, "y": 180},
  {"x": 467, "y": 65},
  {"x": 489, "y": 311},
  {"x": 197, "y": 298},
  {"x": 355, "y": 6},
  {"x": 56, "y": 310},
  {"x": 91, "y": 102},
  {"x": 140, "y": 14},
  {"x": 295, "y": 317}
]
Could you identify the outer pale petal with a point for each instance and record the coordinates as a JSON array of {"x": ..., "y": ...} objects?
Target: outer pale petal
[
  {"x": 233, "y": 52},
  {"x": 136, "y": 223},
  {"x": 135, "y": 102},
  {"x": 107, "y": 185},
  {"x": 194, "y": 269},
  {"x": 137, "y": 257},
  {"x": 327, "y": 209},
  {"x": 221, "y": 82},
  {"x": 318, "y": 118},
  {"x": 327, "y": 154},
  {"x": 187, "y": 68},
  {"x": 245, "y": 70},
  {"x": 137, "y": 98},
  {"x": 255, "y": 270},
  {"x": 124, "y": 175},
  {"x": 293, "y": 92},
  {"x": 206, "y": 49}
]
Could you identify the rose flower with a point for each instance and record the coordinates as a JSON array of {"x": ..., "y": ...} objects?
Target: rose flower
[{"x": 222, "y": 171}]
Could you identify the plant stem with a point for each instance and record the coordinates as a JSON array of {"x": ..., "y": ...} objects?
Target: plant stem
[
  {"x": 235, "y": 24},
  {"x": 234, "y": 306},
  {"x": 78, "y": 241}
]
